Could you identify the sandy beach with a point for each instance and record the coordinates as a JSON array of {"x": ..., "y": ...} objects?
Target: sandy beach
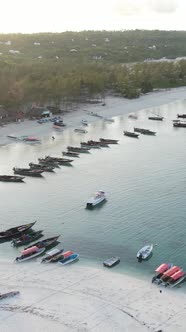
[{"x": 80, "y": 297}]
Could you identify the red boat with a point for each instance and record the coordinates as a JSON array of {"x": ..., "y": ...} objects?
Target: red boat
[
  {"x": 176, "y": 279},
  {"x": 160, "y": 271}
]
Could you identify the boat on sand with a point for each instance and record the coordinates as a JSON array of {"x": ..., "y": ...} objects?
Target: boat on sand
[{"x": 29, "y": 253}]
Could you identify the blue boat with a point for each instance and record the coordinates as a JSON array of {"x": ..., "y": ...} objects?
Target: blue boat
[{"x": 70, "y": 259}]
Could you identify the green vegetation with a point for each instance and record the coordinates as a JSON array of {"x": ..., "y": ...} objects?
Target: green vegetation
[{"x": 68, "y": 67}]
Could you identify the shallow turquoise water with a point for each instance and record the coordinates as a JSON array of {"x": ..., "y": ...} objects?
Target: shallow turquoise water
[{"x": 145, "y": 180}]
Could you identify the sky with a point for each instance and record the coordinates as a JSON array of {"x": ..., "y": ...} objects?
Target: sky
[{"x": 30, "y": 16}]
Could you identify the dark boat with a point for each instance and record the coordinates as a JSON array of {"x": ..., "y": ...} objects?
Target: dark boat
[
  {"x": 45, "y": 168},
  {"x": 183, "y": 116},
  {"x": 71, "y": 154},
  {"x": 101, "y": 144},
  {"x": 158, "y": 118},
  {"x": 15, "y": 231},
  {"x": 179, "y": 124},
  {"x": 11, "y": 178},
  {"x": 27, "y": 238},
  {"x": 9, "y": 294},
  {"x": 111, "y": 261},
  {"x": 58, "y": 160},
  {"x": 144, "y": 131},
  {"x": 109, "y": 141},
  {"x": 43, "y": 161},
  {"x": 28, "y": 171},
  {"x": 130, "y": 134},
  {"x": 45, "y": 243},
  {"x": 90, "y": 145},
  {"x": 78, "y": 149}
]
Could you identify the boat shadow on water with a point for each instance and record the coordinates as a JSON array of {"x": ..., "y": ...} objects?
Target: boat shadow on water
[{"x": 145, "y": 260}]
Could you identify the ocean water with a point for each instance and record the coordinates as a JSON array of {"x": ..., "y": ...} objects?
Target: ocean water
[{"x": 145, "y": 182}]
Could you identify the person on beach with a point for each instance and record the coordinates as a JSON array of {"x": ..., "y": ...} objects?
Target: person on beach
[{"x": 53, "y": 137}]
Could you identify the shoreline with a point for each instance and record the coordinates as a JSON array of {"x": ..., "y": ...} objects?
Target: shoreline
[
  {"x": 115, "y": 106},
  {"x": 81, "y": 297}
]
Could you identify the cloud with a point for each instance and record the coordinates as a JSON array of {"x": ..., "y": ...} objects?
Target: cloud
[{"x": 136, "y": 7}]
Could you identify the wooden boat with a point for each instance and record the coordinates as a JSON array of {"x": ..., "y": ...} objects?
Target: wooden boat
[
  {"x": 111, "y": 261},
  {"x": 45, "y": 168},
  {"x": 179, "y": 124},
  {"x": 130, "y": 134},
  {"x": 84, "y": 122},
  {"x": 29, "y": 253},
  {"x": 90, "y": 145},
  {"x": 156, "y": 117},
  {"x": 144, "y": 252},
  {"x": 58, "y": 160},
  {"x": 71, "y": 154},
  {"x": 96, "y": 199},
  {"x": 183, "y": 116},
  {"x": 133, "y": 116},
  {"x": 101, "y": 144},
  {"x": 28, "y": 171},
  {"x": 45, "y": 243},
  {"x": 54, "y": 253},
  {"x": 9, "y": 294},
  {"x": 79, "y": 130},
  {"x": 160, "y": 270},
  {"x": 109, "y": 141},
  {"x": 144, "y": 131},
  {"x": 27, "y": 238},
  {"x": 61, "y": 256},
  {"x": 167, "y": 274},
  {"x": 43, "y": 161},
  {"x": 11, "y": 178},
  {"x": 78, "y": 149},
  {"x": 30, "y": 139},
  {"x": 176, "y": 279},
  {"x": 70, "y": 259},
  {"x": 108, "y": 120},
  {"x": 16, "y": 231}
]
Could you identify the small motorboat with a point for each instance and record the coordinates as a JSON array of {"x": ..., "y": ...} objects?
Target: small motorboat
[
  {"x": 30, "y": 139},
  {"x": 144, "y": 252},
  {"x": 71, "y": 154},
  {"x": 79, "y": 130},
  {"x": 179, "y": 124},
  {"x": 28, "y": 171},
  {"x": 167, "y": 274},
  {"x": 29, "y": 253},
  {"x": 111, "y": 261},
  {"x": 9, "y": 294},
  {"x": 27, "y": 238},
  {"x": 81, "y": 149},
  {"x": 59, "y": 160},
  {"x": 15, "y": 231},
  {"x": 45, "y": 168},
  {"x": 176, "y": 279},
  {"x": 96, "y": 199},
  {"x": 108, "y": 120},
  {"x": 70, "y": 259},
  {"x": 109, "y": 141},
  {"x": 52, "y": 254},
  {"x": 160, "y": 270},
  {"x": 183, "y": 116},
  {"x": 84, "y": 122},
  {"x": 130, "y": 134}
]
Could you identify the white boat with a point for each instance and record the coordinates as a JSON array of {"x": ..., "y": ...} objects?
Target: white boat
[
  {"x": 111, "y": 261},
  {"x": 144, "y": 252},
  {"x": 79, "y": 130},
  {"x": 29, "y": 253},
  {"x": 84, "y": 122},
  {"x": 96, "y": 199}
]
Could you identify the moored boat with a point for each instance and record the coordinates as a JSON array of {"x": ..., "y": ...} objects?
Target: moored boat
[
  {"x": 96, "y": 199},
  {"x": 84, "y": 122},
  {"x": 11, "y": 178},
  {"x": 29, "y": 253},
  {"x": 43, "y": 161},
  {"x": 144, "y": 252},
  {"x": 16, "y": 231},
  {"x": 58, "y": 160},
  {"x": 108, "y": 120},
  {"x": 46, "y": 243},
  {"x": 176, "y": 279},
  {"x": 27, "y": 238},
  {"x": 90, "y": 145},
  {"x": 130, "y": 134},
  {"x": 70, "y": 154},
  {"x": 30, "y": 139},
  {"x": 9, "y": 294},
  {"x": 52, "y": 254},
  {"x": 45, "y": 168},
  {"x": 109, "y": 141},
  {"x": 156, "y": 117},
  {"x": 160, "y": 270},
  {"x": 79, "y": 130},
  {"x": 111, "y": 261},
  {"x": 179, "y": 124},
  {"x": 78, "y": 149},
  {"x": 61, "y": 256},
  {"x": 167, "y": 274},
  {"x": 183, "y": 116},
  {"x": 144, "y": 131},
  {"x": 70, "y": 259},
  {"x": 28, "y": 171},
  {"x": 133, "y": 116}
]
